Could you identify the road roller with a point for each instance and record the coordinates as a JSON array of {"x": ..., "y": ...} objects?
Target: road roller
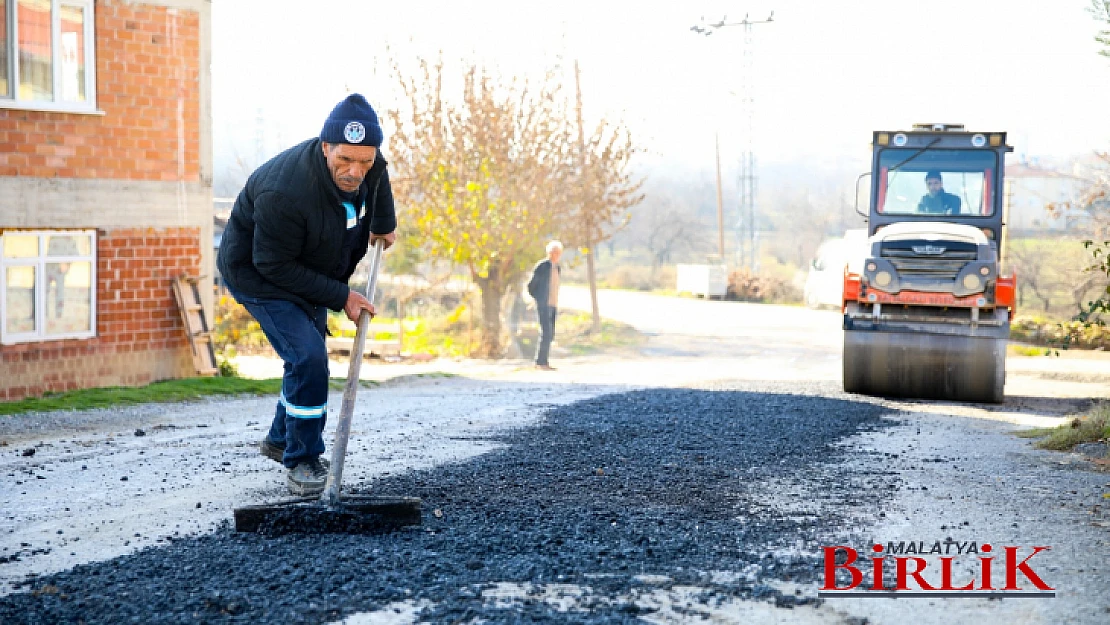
[{"x": 927, "y": 313}]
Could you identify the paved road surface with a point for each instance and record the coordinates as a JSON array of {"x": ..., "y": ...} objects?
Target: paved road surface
[{"x": 98, "y": 498}]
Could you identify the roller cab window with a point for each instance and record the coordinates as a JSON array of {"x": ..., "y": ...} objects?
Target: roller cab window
[{"x": 937, "y": 182}]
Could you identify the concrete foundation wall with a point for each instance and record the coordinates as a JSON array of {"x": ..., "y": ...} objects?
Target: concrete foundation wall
[{"x": 109, "y": 204}]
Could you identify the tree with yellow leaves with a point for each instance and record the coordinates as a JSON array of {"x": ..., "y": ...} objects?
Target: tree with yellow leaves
[{"x": 482, "y": 178}]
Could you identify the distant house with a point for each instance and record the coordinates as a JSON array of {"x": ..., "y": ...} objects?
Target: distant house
[
  {"x": 1033, "y": 189},
  {"x": 105, "y": 189}
]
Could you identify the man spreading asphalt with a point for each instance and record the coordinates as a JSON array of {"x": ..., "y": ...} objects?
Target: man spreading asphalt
[{"x": 301, "y": 224}]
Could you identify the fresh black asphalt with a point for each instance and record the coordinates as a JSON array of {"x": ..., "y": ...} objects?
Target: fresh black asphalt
[{"x": 665, "y": 482}]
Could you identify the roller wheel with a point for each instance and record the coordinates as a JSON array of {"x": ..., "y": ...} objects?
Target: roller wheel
[{"x": 926, "y": 366}]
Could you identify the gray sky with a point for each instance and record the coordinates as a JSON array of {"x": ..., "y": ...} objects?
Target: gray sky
[{"x": 824, "y": 73}]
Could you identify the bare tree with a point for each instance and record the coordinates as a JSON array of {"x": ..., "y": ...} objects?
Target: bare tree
[
  {"x": 803, "y": 218},
  {"x": 227, "y": 182},
  {"x": 1028, "y": 263},
  {"x": 665, "y": 229},
  {"x": 1054, "y": 272},
  {"x": 606, "y": 188},
  {"x": 1096, "y": 200}
]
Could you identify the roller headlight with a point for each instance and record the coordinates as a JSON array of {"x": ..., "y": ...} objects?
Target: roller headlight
[
  {"x": 882, "y": 278},
  {"x": 972, "y": 282}
]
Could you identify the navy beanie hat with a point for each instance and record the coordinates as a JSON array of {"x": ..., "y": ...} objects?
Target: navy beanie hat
[{"x": 353, "y": 121}]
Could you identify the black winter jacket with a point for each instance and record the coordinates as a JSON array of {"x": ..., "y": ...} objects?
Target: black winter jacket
[
  {"x": 284, "y": 239},
  {"x": 539, "y": 286}
]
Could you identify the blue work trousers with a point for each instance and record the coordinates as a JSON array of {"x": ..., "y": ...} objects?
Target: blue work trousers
[{"x": 300, "y": 341}]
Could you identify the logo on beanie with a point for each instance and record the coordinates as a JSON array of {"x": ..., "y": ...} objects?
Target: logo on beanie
[{"x": 355, "y": 132}]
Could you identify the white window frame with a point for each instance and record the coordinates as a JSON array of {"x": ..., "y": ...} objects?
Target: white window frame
[
  {"x": 11, "y": 99},
  {"x": 39, "y": 263}
]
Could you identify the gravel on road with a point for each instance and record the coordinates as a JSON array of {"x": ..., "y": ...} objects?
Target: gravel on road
[{"x": 622, "y": 495}]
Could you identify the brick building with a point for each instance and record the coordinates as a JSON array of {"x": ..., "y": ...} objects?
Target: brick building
[{"x": 105, "y": 189}]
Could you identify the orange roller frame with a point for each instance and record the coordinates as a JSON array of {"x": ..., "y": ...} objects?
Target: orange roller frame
[
  {"x": 1005, "y": 292},
  {"x": 851, "y": 288}
]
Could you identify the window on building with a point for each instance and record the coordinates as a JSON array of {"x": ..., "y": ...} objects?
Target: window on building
[
  {"x": 5, "y": 84},
  {"x": 47, "y": 285},
  {"x": 47, "y": 55}
]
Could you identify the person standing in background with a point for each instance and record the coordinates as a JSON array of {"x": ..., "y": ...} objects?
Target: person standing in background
[{"x": 544, "y": 288}]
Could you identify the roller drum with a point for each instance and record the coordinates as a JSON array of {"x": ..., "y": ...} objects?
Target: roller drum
[{"x": 925, "y": 366}]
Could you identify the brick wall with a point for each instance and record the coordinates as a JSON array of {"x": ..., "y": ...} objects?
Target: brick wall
[
  {"x": 148, "y": 86},
  {"x": 139, "y": 171},
  {"x": 139, "y": 334}
]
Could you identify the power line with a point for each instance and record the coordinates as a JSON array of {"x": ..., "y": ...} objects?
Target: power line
[{"x": 707, "y": 29}]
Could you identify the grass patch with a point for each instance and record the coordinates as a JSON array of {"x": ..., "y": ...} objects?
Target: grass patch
[
  {"x": 338, "y": 384},
  {"x": 1086, "y": 429},
  {"x": 189, "y": 389},
  {"x": 574, "y": 332},
  {"x": 158, "y": 392},
  {"x": 1019, "y": 349}
]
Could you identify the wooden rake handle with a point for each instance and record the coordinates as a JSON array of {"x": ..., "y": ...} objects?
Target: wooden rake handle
[{"x": 343, "y": 426}]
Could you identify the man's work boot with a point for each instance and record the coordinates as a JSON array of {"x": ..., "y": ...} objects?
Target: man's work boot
[
  {"x": 307, "y": 478},
  {"x": 274, "y": 452},
  {"x": 271, "y": 450}
]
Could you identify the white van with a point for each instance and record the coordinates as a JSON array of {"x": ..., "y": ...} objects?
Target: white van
[{"x": 825, "y": 282}]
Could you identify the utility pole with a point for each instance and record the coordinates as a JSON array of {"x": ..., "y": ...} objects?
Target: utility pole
[
  {"x": 720, "y": 202},
  {"x": 747, "y": 159},
  {"x": 587, "y": 215}
]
